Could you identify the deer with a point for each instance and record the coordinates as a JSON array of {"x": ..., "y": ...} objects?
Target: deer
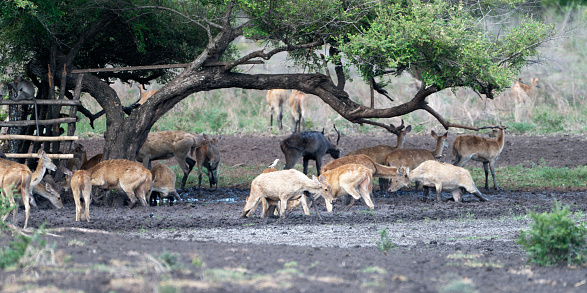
[
  {"x": 298, "y": 111},
  {"x": 163, "y": 184},
  {"x": 520, "y": 89},
  {"x": 208, "y": 155},
  {"x": 163, "y": 145},
  {"x": 352, "y": 179},
  {"x": 18, "y": 176},
  {"x": 275, "y": 99},
  {"x": 47, "y": 190},
  {"x": 310, "y": 145},
  {"x": 144, "y": 95},
  {"x": 93, "y": 161},
  {"x": 80, "y": 182},
  {"x": 378, "y": 153},
  {"x": 438, "y": 175},
  {"x": 120, "y": 174},
  {"x": 412, "y": 158},
  {"x": 482, "y": 149},
  {"x": 282, "y": 186}
]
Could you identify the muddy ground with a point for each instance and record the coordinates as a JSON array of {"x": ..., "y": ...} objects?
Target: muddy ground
[{"x": 202, "y": 245}]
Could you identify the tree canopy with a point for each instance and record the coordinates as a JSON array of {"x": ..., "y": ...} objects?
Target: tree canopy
[{"x": 443, "y": 43}]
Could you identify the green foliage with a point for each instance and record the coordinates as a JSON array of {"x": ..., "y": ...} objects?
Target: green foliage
[
  {"x": 170, "y": 260},
  {"x": 537, "y": 177},
  {"x": 554, "y": 238},
  {"x": 385, "y": 244},
  {"x": 548, "y": 120},
  {"x": 18, "y": 247}
]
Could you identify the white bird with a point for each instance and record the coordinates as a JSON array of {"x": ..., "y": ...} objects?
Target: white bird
[{"x": 274, "y": 164}]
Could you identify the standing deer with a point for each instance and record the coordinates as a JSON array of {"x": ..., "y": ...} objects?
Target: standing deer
[
  {"x": 275, "y": 99},
  {"x": 482, "y": 149},
  {"x": 163, "y": 184},
  {"x": 80, "y": 182},
  {"x": 163, "y": 145},
  {"x": 520, "y": 89},
  {"x": 310, "y": 145},
  {"x": 18, "y": 176},
  {"x": 298, "y": 110},
  {"x": 378, "y": 153},
  {"x": 352, "y": 179},
  {"x": 208, "y": 155},
  {"x": 438, "y": 175},
  {"x": 282, "y": 186}
]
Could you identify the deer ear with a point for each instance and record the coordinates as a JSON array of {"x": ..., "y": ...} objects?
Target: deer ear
[
  {"x": 445, "y": 135},
  {"x": 409, "y": 128},
  {"x": 67, "y": 172},
  {"x": 433, "y": 134}
]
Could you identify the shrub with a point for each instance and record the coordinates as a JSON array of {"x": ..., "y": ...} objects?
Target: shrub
[
  {"x": 554, "y": 238},
  {"x": 385, "y": 244}
]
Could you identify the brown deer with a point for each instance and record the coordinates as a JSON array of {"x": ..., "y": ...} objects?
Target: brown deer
[
  {"x": 80, "y": 182},
  {"x": 352, "y": 179},
  {"x": 131, "y": 177},
  {"x": 522, "y": 90},
  {"x": 377, "y": 170},
  {"x": 144, "y": 95},
  {"x": 412, "y": 158},
  {"x": 478, "y": 148},
  {"x": 378, "y": 153},
  {"x": 298, "y": 110},
  {"x": 46, "y": 190},
  {"x": 18, "y": 176},
  {"x": 310, "y": 145},
  {"x": 275, "y": 99},
  {"x": 163, "y": 145},
  {"x": 438, "y": 175},
  {"x": 163, "y": 184},
  {"x": 208, "y": 155},
  {"x": 79, "y": 157},
  {"x": 282, "y": 186}
]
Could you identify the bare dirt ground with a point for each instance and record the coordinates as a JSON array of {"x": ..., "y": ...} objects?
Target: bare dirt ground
[{"x": 202, "y": 245}]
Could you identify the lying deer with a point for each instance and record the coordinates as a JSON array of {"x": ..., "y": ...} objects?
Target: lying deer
[
  {"x": 18, "y": 176},
  {"x": 163, "y": 184},
  {"x": 439, "y": 175},
  {"x": 275, "y": 99},
  {"x": 208, "y": 155},
  {"x": 298, "y": 111},
  {"x": 282, "y": 186},
  {"x": 163, "y": 145},
  {"x": 131, "y": 177},
  {"x": 412, "y": 158},
  {"x": 478, "y": 148},
  {"x": 352, "y": 179},
  {"x": 80, "y": 182},
  {"x": 310, "y": 145}
]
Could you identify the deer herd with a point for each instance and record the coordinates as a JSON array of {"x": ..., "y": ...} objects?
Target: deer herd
[{"x": 279, "y": 191}]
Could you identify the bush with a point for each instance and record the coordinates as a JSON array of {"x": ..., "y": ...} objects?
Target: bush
[
  {"x": 554, "y": 238},
  {"x": 385, "y": 244}
]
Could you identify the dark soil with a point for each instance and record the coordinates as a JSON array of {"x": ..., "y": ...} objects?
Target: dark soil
[{"x": 202, "y": 245}]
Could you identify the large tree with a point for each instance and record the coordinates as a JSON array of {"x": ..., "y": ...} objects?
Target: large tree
[{"x": 445, "y": 44}]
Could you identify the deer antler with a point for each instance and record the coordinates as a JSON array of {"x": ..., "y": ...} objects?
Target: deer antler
[{"x": 338, "y": 133}]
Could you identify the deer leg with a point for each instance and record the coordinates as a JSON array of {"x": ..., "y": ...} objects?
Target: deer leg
[
  {"x": 305, "y": 163},
  {"x": 27, "y": 207},
  {"x": 279, "y": 120},
  {"x": 348, "y": 207},
  {"x": 78, "y": 205},
  {"x": 13, "y": 204},
  {"x": 486, "y": 169},
  {"x": 87, "y": 191},
  {"x": 318, "y": 165},
  {"x": 491, "y": 167},
  {"x": 383, "y": 186},
  {"x": 365, "y": 193},
  {"x": 457, "y": 195},
  {"x": 283, "y": 207},
  {"x": 190, "y": 166},
  {"x": 315, "y": 206},
  {"x": 426, "y": 191},
  {"x": 438, "y": 193},
  {"x": 251, "y": 204}
]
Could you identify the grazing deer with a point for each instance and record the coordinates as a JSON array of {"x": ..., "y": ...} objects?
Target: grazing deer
[
  {"x": 275, "y": 99},
  {"x": 80, "y": 182},
  {"x": 282, "y": 186},
  {"x": 377, "y": 170},
  {"x": 351, "y": 179},
  {"x": 163, "y": 183},
  {"x": 310, "y": 145},
  {"x": 412, "y": 158},
  {"x": 163, "y": 145},
  {"x": 442, "y": 176},
  {"x": 131, "y": 177},
  {"x": 482, "y": 149},
  {"x": 18, "y": 176},
  {"x": 47, "y": 190},
  {"x": 378, "y": 153},
  {"x": 298, "y": 111},
  {"x": 208, "y": 155}
]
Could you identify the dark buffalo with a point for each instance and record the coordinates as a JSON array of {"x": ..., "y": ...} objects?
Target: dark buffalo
[{"x": 311, "y": 145}]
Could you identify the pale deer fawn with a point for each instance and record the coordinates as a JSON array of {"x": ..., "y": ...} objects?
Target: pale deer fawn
[
  {"x": 275, "y": 99},
  {"x": 351, "y": 179},
  {"x": 18, "y": 176},
  {"x": 438, "y": 175},
  {"x": 282, "y": 186},
  {"x": 478, "y": 148},
  {"x": 298, "y": 110}
]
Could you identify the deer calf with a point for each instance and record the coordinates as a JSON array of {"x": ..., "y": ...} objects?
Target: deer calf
[
  {"x": 208, "y": 155},
  {"x": 439, "y": 175},
  {"x": 282, "y": 186},
  {"x": 478, "y": 148},
  {"x": 163, "y": 183},
  {"x": 352, "y": 179}
]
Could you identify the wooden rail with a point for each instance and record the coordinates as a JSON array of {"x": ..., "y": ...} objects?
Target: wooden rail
[
  {"x": 42, "y": 102},
  {"x": 30, "y": 156},
  {"x": 39, "y": 138}
]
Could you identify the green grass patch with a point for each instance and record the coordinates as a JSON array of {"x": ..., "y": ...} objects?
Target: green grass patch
[{"x": 536, "y": 177}]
